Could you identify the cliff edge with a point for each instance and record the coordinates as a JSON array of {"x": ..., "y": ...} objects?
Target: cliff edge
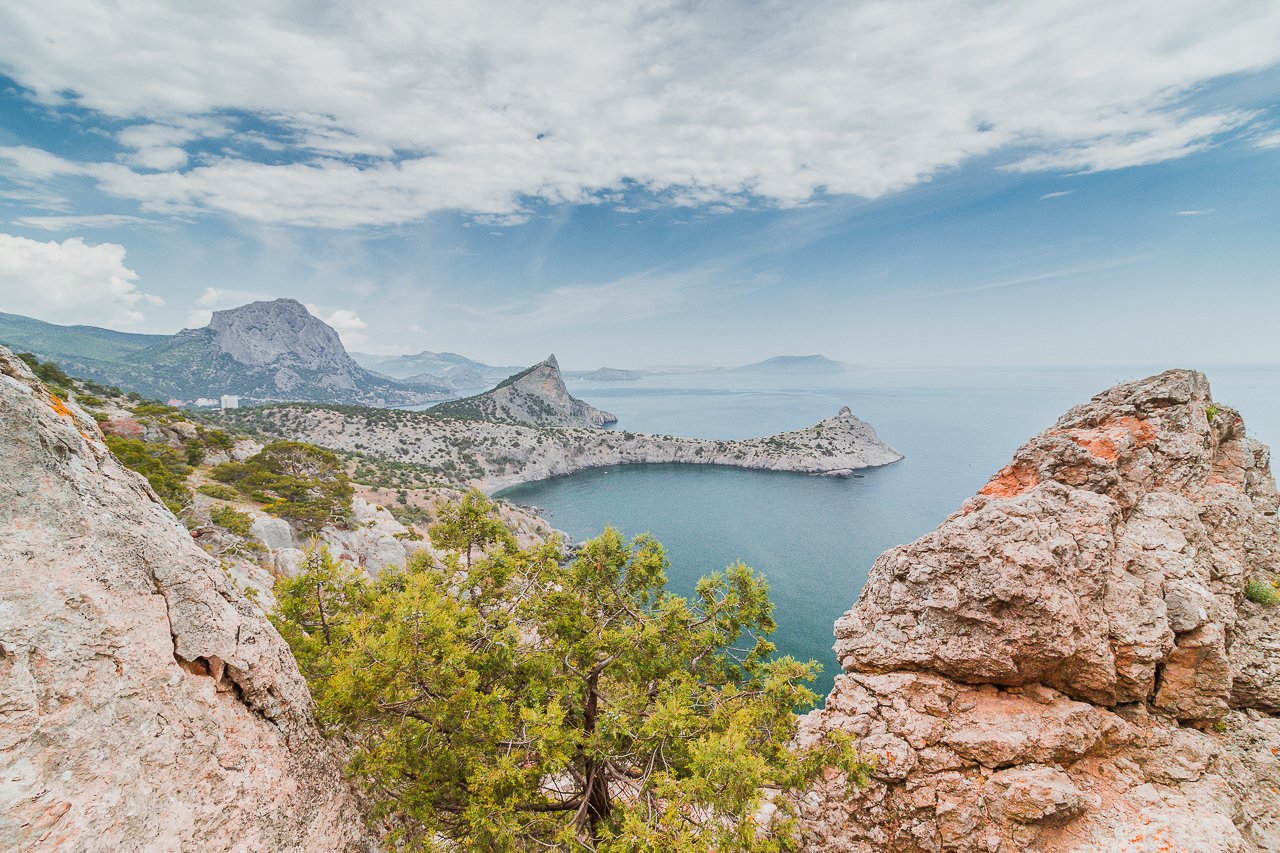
[
  {"x": 1069, "y": 663},
  {"x": 144, "y": 703}
]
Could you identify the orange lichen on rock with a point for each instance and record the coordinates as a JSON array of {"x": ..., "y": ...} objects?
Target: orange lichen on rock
[
  {"x": 60, "y": 407},
  {"x": 1011, "y": 481},
  {"x": 1104, "y": 440}
]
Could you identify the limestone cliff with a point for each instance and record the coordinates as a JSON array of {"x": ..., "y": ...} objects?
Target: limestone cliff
[
  {"x": 144, "y": 703},
  {"x": 537, "y": 397},
  {"x": 1069, "y": 663}
]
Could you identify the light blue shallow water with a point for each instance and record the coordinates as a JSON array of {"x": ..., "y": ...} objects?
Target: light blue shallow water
[{"x": 815, "y": 538}]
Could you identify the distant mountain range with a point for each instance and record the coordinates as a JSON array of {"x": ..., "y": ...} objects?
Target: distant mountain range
[
  {"x": 440, "y": 368},
  {"x": 264, "y": 352},
  {"x": 277, "y": 351}
]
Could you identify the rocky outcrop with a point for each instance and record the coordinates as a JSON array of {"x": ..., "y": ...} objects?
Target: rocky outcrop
[
  {"x": 537, "y": 397},
  {"x": 1068, "y": 662},
  {"x": 144, "y": 703}
]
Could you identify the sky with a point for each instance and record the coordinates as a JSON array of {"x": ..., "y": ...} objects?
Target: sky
[{"x": 905, "y": 183}]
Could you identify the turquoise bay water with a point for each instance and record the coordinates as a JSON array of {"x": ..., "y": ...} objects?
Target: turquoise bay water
[{"x": 815, "y": 538}]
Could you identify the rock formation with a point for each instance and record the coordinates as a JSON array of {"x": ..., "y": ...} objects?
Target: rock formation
[
  {"x": 144, "y": 703},
  {"x": 1069, "y": 663},
  {"x": 493, "y": 456},
  {"x": 536, "y": 396}
]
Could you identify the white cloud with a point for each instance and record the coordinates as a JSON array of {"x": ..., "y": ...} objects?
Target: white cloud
[
  {"x": 70, "y": 223},
  {"x": 346, "y": 323},
  {"x": 1058, "y": 194},
  {"x": 69, "y": 282},
  {"x": 388, "y": 111},
  {"x": 1192, "y": 212},
  {"x": 1270, "y": 140},
  {"x": 218, "y": 298}
]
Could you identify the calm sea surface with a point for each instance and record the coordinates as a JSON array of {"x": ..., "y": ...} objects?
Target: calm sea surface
[{"x": 815, "y": 538}]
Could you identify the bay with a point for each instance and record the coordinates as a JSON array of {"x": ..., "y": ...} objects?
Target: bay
[{"x": 815, "y": 538}]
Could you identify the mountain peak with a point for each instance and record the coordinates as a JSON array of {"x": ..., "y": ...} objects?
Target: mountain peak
[
  {"x": 535, "y": 396},
  {"x": 263, "y": 333}
]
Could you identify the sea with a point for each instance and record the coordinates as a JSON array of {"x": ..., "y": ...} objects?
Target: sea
[{"x": 815, "y": 538}]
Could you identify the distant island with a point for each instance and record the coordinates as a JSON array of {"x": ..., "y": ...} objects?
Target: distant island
[
  {"x": 607, "y": 374},
  {"x": 793, "y": 365}
]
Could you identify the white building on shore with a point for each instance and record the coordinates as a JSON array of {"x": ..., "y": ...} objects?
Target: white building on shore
[{"x": 230, "y": 401}]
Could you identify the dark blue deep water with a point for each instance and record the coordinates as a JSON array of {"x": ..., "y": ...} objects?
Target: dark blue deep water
[{"x": 815, "y": 538}]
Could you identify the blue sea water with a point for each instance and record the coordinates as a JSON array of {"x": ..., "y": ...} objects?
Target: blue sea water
[{"x": 815, "y": 538}]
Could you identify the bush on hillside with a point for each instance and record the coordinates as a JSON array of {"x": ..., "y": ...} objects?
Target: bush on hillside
[
  {"x": 298, "y": 482},
  {"x": 164, "y": 469}
]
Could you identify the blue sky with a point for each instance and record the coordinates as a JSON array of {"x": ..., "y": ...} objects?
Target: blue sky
[{"x": 946, "y": 182}]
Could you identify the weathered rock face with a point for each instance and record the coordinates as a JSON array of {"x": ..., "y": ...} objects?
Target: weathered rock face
[
  {"x": 536, "y": 396},
  {"x": 145, "y": 704},
  {"x": 1068, "y": 663}
]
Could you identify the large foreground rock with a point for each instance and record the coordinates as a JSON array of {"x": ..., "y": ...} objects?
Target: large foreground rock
[
  {"x": 1068, "y": 663},
  {"x": 144, "y": 703}
]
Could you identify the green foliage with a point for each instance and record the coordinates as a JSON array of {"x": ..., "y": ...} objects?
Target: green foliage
[
  {"x": 164, "y": 469},
  {"x": 296, "y": 481},
  {"x": 1211, "y": 412},
  {"x": 194, "y": 452},
  {"x": 219, "y": 491},
  {"x": 157, "y": 411},
  {"x": 469, "y": 524},
  {"x": 47, "y": 372},
  {"x": 522, "y": 704},
  {"x": 315, "y": 612},
  {"x": 232, "y": 520},
  {"x": 1262, "y": 593},
  {"x": 216, "y": 439}
]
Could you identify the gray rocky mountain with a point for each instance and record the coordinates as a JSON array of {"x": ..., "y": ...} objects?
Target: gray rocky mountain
[
  {"x": 536, "y": 396},
  {"x": 1070, "y": 663},
  {"x": 145, "y": 703}
]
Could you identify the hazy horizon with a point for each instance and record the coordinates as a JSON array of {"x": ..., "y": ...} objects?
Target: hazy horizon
[{"x": 942, "y": 184}]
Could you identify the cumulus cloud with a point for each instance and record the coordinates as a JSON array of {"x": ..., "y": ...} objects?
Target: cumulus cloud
[
  {"x": 346, "y": 323},
  {"x": 383, "y": 112},
  {"x": 217, "y": 298},
  {"x": 69, "y": 282}
]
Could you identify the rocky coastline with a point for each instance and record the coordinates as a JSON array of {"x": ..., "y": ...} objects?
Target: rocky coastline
[{"x": 492, "y": 456}]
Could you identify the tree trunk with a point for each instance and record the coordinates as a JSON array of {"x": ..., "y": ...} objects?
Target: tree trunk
[{"x": 596, "y": 794}]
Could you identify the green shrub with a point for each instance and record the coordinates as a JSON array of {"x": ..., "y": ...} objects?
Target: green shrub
[
  {"x": 219, "y": 491},
  {"x": 164, "y": 469},
  {"x": 195, "y": 452},
  {"x": 1262, "y": 593},
  {"x": 298, "y": 482},
  {"x": 232, "y": 520},
  {"x": 1211, "y": 412},
  {"x": 47, "y": 372}
]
